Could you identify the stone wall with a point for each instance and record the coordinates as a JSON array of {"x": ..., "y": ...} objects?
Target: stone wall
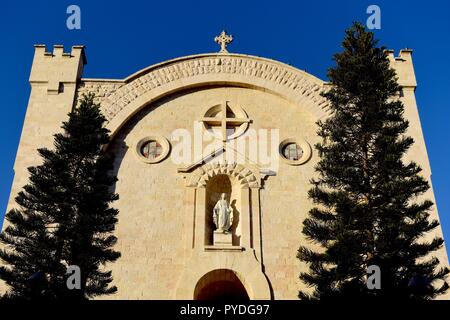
[{"x": 159, "y": 230}]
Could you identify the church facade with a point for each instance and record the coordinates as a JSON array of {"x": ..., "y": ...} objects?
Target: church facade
[{"x": 213, "y": 154}]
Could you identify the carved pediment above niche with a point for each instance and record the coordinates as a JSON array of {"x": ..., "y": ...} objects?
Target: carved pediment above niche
[{"x": 240, "y": 175}]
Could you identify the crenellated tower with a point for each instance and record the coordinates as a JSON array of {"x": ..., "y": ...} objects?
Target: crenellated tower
[
  {"x": 403, "y": 65},
  {"x": 53, "y": 79}
]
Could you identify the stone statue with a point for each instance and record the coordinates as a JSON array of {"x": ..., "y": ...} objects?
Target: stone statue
[{"x": 223, "y": 214}]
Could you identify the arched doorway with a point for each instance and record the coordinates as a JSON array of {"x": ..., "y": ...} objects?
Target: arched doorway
[{"x": 221, "y": 285}]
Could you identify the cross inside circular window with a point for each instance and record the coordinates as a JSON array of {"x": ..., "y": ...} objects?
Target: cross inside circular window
[
  {"x": 151, "y": 150},
  {"x": 292, "y": 151},
  {"x": 226, "y": 121}
]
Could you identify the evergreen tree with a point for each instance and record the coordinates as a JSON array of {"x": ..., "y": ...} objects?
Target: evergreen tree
[
  {"x": 63, "y": 217},
  {"x": 367, "y": 211}
]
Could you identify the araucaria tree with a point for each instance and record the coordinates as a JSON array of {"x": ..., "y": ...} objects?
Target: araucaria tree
[
  {"x": 368, "y": 210},
  {"x": 63, "y": 216}
]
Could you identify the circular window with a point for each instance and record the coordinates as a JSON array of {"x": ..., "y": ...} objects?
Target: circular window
[
  {"x": 295, "y": 152},
  {"x": 153, "y": 149},
  {"x": 225, "y": 121},
  {"x": 292, "y": 151}
]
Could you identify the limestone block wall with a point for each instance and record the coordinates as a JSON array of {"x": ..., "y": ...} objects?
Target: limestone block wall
[
  {"x": 150, "y": 228},
  {"x": 284, "y": 204},
  {"x": 154, "y": 202},
  {"x": 404, "y": 67},
  {"x": 53, "y": 79}
]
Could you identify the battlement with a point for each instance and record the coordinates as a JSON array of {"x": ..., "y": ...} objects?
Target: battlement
[
  {"x": 404, "y": 67},
  {"x": 57, "y": 68},
  {"x": 58, "y": 51}
]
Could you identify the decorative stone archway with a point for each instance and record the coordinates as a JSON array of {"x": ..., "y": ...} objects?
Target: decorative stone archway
[
  {"x": 244, "y": 176},
  {"x": 246, "y": 179},
  {"x": 121, "y": 99}
]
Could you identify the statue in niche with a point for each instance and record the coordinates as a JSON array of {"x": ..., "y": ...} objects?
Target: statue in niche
[{"x": 223, "y": 214}]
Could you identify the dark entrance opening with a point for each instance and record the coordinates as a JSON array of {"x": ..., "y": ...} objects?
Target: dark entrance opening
[{"x": 220, "y": 285}]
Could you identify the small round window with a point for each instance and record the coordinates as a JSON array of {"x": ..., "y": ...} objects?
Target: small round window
[
  {"x": 152, "y": 149},
  {"x": 295, "y": 151},
  {"x": 292, "y": 151}
]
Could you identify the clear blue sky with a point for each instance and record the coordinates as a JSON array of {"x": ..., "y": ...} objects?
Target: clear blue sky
[{"x": 125, "y": 36}]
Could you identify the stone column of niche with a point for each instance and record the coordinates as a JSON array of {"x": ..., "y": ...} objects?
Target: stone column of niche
[
  {"x": 245, "y": 217},
  {"x": 200, "y": 210},
  {"x": 256, "y": 222},
  {"x": 190, "y": 207}
]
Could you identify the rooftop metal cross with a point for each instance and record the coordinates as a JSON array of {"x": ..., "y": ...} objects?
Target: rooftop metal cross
[{"x": 223, "y": 40}]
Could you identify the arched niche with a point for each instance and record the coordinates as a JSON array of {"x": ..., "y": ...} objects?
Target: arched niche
[
  {"x": 215, "y": 186},
  {"x": 204, "y": 186}
]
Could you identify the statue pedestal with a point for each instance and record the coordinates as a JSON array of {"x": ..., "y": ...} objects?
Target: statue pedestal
[{"x": 222, "y": 239}]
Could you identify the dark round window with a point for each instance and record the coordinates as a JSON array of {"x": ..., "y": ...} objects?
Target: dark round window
[
  {"x": 151, "y": 150},
  {"x": 292, "y": 151}
]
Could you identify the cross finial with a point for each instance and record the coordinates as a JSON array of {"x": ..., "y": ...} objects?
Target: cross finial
[{"x": 223, "y": 40}]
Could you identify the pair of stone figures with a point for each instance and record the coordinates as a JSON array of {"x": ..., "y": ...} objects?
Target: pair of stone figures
[{"x": 223, "y": 215}]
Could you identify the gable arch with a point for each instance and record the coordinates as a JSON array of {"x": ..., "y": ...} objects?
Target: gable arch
[
  {"x": 132, "y": 94},
  {"x": 239, "y": 175}
]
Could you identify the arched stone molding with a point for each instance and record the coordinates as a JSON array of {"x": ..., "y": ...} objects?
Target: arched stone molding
[
  {"x": 242, "y": 176},
  {"x": 123, "y": 99}
]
